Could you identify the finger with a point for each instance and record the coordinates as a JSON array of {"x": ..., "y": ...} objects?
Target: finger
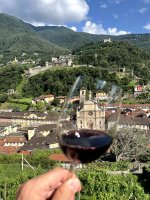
[
  {"x": 54, "y": 176},
  {"x": 67, "y": 190},
  {"x": 46, "y": 184}
]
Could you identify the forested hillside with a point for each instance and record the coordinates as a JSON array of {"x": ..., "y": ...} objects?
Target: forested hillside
[
  {"x": 140, "y": 40},
  {"x": 106, "y": 59},
  {"x": 59, "y": 81},
  {"x": 10, "y": 77},
  {"x": 17, "y": 37},
  {"x": 112, "y": 54},
  {"x": 66, "y": 37},
  {"x": 115, "y": 55},
  {"x": 101, "y": 60}
]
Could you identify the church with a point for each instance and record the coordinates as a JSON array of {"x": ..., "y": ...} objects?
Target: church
[{"x": 90, "y": 115}]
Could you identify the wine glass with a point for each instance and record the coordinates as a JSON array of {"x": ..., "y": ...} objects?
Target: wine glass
[{"x": 83, "y": 131}]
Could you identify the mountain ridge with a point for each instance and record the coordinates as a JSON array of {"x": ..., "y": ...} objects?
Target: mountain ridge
[{"x": 17, "y": 35}]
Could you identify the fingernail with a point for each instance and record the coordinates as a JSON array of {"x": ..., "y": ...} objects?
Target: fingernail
[{"x": 74, "y": 184}]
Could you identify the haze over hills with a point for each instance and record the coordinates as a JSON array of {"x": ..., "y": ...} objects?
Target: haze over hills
[{"x": 17, "y": 36}]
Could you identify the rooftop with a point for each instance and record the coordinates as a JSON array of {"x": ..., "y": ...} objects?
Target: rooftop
[
  {"x": 8, "y": 149},
  {"x": 59, "y": 157},
  {"x": 39, "y": 142}
]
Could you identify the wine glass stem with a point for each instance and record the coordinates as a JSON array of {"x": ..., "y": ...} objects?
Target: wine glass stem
[{"x": 72, "y": 169}]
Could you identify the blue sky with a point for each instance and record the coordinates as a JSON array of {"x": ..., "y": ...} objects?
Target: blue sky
[{"x": 111, "y": 17}]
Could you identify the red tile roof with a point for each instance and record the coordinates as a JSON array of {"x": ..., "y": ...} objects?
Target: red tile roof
[
  {"x": 1, "y": 142},
  {"x": 8, "y": 149},
  {"x": 59, "y": 157},
  {"x": 14, "y": 139}
]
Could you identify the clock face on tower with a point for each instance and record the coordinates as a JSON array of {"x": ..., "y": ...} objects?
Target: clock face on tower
[{"x": 90, "y": 113}]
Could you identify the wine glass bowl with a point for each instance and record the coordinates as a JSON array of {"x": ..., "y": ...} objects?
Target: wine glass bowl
[
  {"x": 82, "y": 130},
  {"x": 85, "y": 145}
]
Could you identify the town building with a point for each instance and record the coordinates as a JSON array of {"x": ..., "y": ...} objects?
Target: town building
[
  {"x": 6, "y": 128},
  {"x": 100, "y": 96},
  {"x": 14, "y": 139},
  {"x": 44, "y": 99},
  {"x": 91, "y": 115},
  {"x": 129, "y": 120},
  {"x": 40, "y": 142},
  {"x": 107, "y": 40},
  {"x": 10, "y": 144},
  {"x": 28, "y": 118},
  {"x": 61, "y": 99}
]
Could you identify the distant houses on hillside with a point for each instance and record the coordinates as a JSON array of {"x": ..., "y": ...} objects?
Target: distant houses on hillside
[
  {"x": 55, "y": 61},
  {"x": 43, "y": 98}
]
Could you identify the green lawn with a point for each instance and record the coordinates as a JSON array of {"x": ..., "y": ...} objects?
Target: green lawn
[
  {"x": 8, "y": 105},
  {"x": 20, "y": 86},
  {"x": 22, "y": 100}
]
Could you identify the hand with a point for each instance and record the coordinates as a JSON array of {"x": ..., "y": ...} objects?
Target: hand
[{"x": 57, "y": 184}]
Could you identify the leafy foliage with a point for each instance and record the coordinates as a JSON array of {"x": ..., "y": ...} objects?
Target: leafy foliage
[
  {"x": 59, "y": 81},
  {"x": 130, "y": 143},
  {"x": 10, "y": 77},
  {"x": 98, "y": 184},
  {"x": 115, "y": 56},
  {"x": 3, "y": 98}
]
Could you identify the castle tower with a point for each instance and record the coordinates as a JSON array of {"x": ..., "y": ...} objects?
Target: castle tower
[
  {"x": 90, "y": 95},
  {"x": 82, "y": 94}
]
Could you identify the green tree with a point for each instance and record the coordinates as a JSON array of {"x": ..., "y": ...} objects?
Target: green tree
[
  {"x": 130, "y": 143},
  {"x": 40, "y": 106},
  {"x": 3, "y": 98},
  {"x": 55, "y": 102},
  {"x": 101, "y": 185}
]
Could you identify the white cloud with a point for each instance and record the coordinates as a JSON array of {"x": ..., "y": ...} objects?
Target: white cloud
[
  {"x": 147, "y": 26},
  {"x": 115, "y": 16},
  {"x": 37, "y": 23},
  {"x": 116, "y": 1},
  {"x": 94, "y": 28},
  {"x": 103, "y": 6},
  {"x": 74, "y": 28},
  {"x": 146, "y": 1},
  {"x": 143, "y": 10},
  {"x": 46, "y": 11}
]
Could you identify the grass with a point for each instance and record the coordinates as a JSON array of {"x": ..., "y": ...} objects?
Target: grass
[
  {"x": 20, "y": 86},
  {"x": 134, "y": 101},
  {"x": 13, "y": 170},
  {"x": 21, "y": 101},
  {"x": 9, "y": 105}
]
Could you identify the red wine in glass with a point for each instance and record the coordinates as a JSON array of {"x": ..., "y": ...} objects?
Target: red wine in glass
[{"x": 85, "y": 145}]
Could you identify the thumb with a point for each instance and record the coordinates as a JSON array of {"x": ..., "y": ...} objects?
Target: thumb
[{"x": 67, "y": 190}]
